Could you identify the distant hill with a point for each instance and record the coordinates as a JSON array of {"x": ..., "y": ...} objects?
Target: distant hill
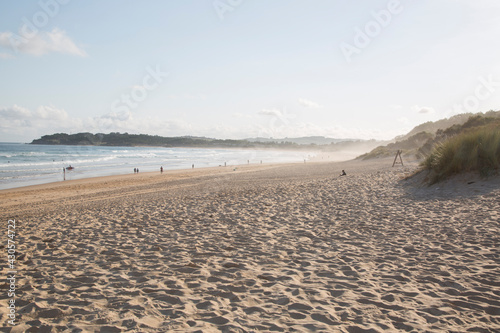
[
  {"x": 433, "y": 126},
  {"x": 125, "y": 139},
  {"x": 316, "y": 140},
  {"x": 420, "y": 141}
]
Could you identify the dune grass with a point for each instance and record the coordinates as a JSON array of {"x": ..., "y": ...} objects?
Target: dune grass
[{"x": 476, "y": 150}]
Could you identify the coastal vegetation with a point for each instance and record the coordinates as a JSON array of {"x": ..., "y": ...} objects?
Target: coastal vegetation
[
  {"x": 470, "y": 144},
  {"x": 474, "y": 149}
]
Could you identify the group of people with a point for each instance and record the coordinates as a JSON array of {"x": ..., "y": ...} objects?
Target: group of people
[{"x": 136, "y": 170}]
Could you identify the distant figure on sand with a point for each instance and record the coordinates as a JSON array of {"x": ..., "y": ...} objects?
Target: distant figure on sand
[
  {"x": 343, "y": 173},
  {"x": 161, "y": 169},
  {"x": 135, "y": 170}
]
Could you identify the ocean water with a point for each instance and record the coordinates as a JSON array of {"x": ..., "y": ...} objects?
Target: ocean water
[{"x": 24, "y": 164}]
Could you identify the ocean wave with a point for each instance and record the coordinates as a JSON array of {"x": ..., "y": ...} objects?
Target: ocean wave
[
  {"x": 29, "y": 176},
  {"x": 57, "y": 163},
  {"x": 31, "y": 164}
]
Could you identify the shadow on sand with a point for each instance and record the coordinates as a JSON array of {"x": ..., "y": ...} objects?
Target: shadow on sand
[{"x": 467, "y": 185}]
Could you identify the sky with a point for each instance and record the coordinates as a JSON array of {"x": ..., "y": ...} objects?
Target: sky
[{"x": 233, "y": 69}]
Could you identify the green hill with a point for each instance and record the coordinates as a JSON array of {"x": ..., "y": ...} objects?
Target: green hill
[
  {"x": 409, "y": 146},
  {"x": 421, "y": 140},
  {"x": 434, "y": 126},
  {"x": 125, "y": 139}
]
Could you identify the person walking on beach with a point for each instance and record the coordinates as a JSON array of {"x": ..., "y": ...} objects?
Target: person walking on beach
[{"x": 161, "y": 169}]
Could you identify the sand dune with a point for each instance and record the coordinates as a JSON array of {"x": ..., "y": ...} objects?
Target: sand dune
[{"x": 263, "y": 248}]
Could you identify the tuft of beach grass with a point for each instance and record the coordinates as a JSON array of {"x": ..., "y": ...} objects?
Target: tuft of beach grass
[{"x": 476, "y": 150}]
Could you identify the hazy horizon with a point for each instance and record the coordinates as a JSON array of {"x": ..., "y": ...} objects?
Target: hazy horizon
[{"x": 235, "y": 69}]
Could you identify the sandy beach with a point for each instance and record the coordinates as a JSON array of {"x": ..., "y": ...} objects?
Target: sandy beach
[{"x": 286, "y": 248}]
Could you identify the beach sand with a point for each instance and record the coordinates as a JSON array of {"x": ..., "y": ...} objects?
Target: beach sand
[{"x": 256, "y": 248}]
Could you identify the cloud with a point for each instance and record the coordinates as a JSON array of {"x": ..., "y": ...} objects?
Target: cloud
[
  {"x": 271, "y": 112},
  {"x": 20, "y": 124},
  {"x": 423, "y": 109},
  {"x": 14, "y": 112},
  {"x": 302, "y": 129},
  {"x": 17, "y": 122},
  {"x": 120, "y": 116},
  {"x": 309, "y": 104},
  {"x": 127, "y": 122},
  {"x": 242, "y": 115},
  {"x": 43, "y": 42},
  {"x": 15, "y": 115},
  {"x": 6, "y": 56},
  {"x": 50, "y": 113}
]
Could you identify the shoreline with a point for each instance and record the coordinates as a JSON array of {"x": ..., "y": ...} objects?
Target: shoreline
[
  {"x": 145, "y": 173},
  {"x": 85, "y": 171},
  {"x": 320, "y": 157}
]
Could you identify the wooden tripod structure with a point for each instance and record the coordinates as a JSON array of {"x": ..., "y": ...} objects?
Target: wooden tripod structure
[{"x": 400, "y": 158}]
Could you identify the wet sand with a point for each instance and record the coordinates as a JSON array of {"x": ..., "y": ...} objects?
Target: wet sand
[{"x": 259, "y": 248}]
